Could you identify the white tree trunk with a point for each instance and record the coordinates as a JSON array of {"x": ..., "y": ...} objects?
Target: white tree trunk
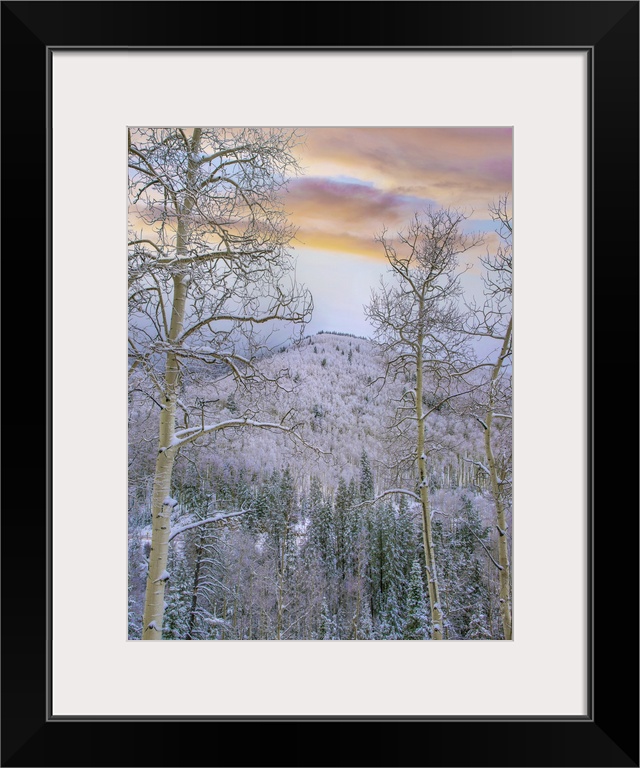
[
  {"x": 161, "y": 517},
  {"x": 161, "y": 508},
  {"x": 503, "y": 549},
  {"x": 161, "y": 499},
  {"x": 430, "y": 560}
]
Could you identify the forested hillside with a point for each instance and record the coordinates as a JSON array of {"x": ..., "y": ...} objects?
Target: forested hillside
[{"x": 311, "y": 557}]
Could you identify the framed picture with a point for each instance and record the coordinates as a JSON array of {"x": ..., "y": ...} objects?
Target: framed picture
[{"x": 563, "y": 77}]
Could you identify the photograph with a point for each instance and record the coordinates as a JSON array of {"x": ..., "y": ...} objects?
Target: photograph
[
  {"x": 320, "y": 343},
  {"x": 298, "y": 410}
]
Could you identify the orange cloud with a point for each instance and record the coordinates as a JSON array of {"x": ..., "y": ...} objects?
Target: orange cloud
[{"x": 339, "y": 242}]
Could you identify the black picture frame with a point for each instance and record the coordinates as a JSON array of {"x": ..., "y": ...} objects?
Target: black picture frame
[{"x": 608, "y": 735}]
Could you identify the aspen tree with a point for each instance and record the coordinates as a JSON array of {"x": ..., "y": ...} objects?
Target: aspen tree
[
  {"x": 494, "y": 319},
  {"x": 208, "y": 266},
  {"x": 418, "y": 325}
]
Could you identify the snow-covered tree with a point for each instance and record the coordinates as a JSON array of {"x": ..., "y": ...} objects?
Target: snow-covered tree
[
  {"x": 282, "y": 541},
  {"x": 321, "y": 529},
  {"x": 208, "y": 267},
  {"x": 366, "y": 477},
  {"x": 462, "y": 540},
  {"x": 418, "y": 325},
  {"x": 478, "y": 623},
  {"x": 328, "y": 629},
  {"x": 415, "y": 625},
  {"x": 494, "y": 319}
]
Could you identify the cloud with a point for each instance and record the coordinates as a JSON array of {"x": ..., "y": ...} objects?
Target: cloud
[
  {"x": 354, "y": 205},
  {"x": 359, "y": 180},
  {"x": 340, "y": 242},
  {"x": 345, "y": 216},
  {"x": 453, "y": 166}
]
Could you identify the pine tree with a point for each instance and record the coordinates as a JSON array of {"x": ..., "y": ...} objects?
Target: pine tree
[
  {"x": 478, "y": 623},
  {"x": 365, "y": 623},
  {"x": 386, "y": 571},
  {"x": 366, "y": 478},
  {"x": 409, "y": 539},
  {"x": 138, "y": 565},
  {"x": 180, "y": 590},
  {"x": 321, "y": 531},
  {"x": 255, "y": 520},
  {"x": 133, "y": 620},
  {"x": 281, "y": 519},
  {"x": 462, "y": 591},
  {"x": 391, "y": 615},
  {"x": 415, "y": 627},
  {"x": 342, "y": 511},
  {"x": 327, "y": 629},
  {"x": 354, "y": 521}
]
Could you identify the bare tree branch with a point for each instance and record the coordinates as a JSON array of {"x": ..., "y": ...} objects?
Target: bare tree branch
[{"x": 215, "y": 519}]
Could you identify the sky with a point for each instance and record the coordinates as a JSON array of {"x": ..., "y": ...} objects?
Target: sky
[{"x": 357, "y": 181}]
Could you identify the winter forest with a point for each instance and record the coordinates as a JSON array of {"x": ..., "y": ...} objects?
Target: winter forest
[{"x": 320, "y": 369}]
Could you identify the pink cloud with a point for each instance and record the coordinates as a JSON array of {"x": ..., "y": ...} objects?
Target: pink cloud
[
  {"x": 354, "y": 205},
  {"x": 452, "y": 165}
]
